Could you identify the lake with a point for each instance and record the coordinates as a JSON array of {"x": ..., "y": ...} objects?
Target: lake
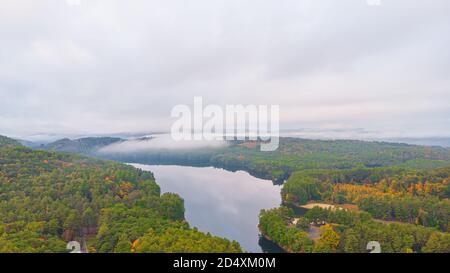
[{"x": 221, "y": 202}]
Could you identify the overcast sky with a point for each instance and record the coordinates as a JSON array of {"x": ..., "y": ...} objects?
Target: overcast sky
[{"x": 108, "y": 66}]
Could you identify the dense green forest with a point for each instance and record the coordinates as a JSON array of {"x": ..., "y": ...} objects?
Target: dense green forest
[
  {"x": 348, "y": 231},
  {"x": 50, "y": 198},
  {"x": 416, "y": 197},
  {"x": 405, "y": 210},
  {"x": 5, "y": 141},
  {"x": 396, "y": 194}
]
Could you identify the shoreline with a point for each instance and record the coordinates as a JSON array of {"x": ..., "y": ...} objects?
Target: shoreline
[{"x": 272, "y": 241}]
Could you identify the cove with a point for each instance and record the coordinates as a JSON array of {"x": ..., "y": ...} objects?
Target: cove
[{"x": 224, "y": 203}]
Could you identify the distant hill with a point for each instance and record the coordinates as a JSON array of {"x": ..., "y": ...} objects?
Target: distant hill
[
  {"x": 293, "y": 154},
  {"x": 87, "y": 145},
  {"x": 431, "y": 141},
  {"x": 6, "y": 141}
]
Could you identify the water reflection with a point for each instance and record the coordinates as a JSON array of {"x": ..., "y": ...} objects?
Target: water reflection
[
  {"x": 224, "y": 203},
  {"x": 268, "y": 246}
]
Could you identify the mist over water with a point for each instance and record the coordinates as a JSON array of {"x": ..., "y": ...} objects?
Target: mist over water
[
  {"x": 160, "y": 141},
  {"x": 224, "y": 203}
]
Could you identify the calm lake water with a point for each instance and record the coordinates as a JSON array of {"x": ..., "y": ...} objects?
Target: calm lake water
[{"x": 224, "y": 203}]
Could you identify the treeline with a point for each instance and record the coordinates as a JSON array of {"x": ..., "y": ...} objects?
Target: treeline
[
  {"x": 88, "y": 145},
  {"x": 344, "y": 231},
  {"x": 5, "y": 141},
  {"x": 301, "y": 154},
  {"x": 49, "y": 198}
]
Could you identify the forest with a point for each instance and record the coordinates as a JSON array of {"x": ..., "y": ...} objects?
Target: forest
[
  {"x": 50, "y": 198},
  {"x": 397, "y": 194},
  {"x": 347, "y": 231},
  {"x": 416, "y": 197},
  {"x": 404, "y": 210}
]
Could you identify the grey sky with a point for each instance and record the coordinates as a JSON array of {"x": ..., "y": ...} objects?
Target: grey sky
[{"x": 115, "y": 66}]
